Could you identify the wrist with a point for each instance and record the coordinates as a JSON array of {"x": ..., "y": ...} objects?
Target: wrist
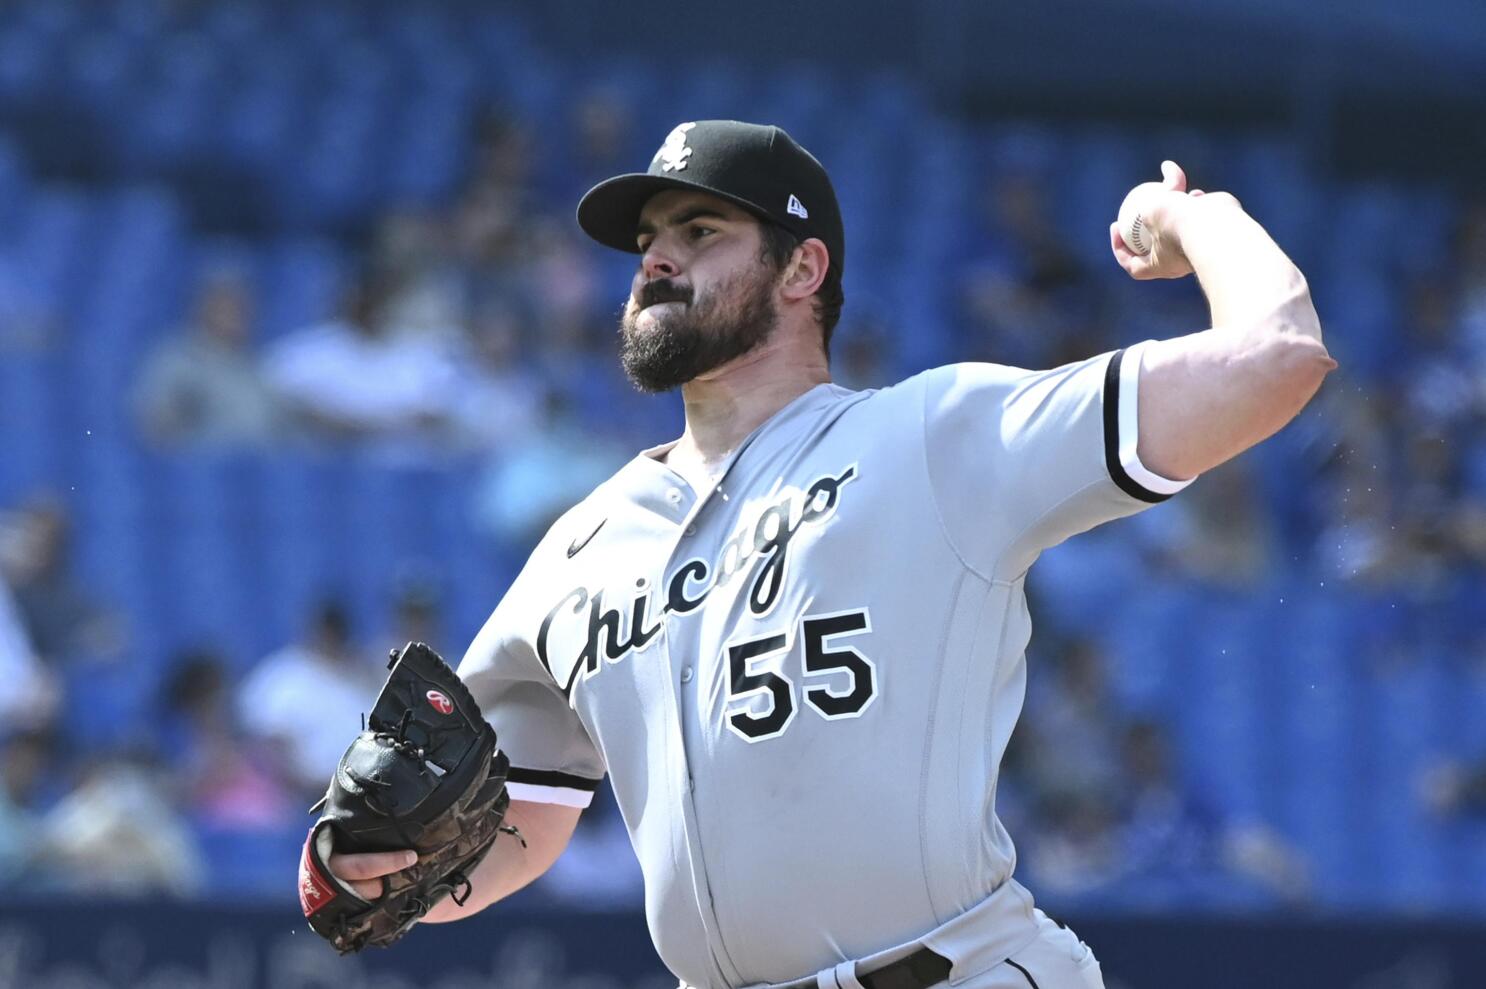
[
  {"x": 1175, "y": 220},
  {"x": 1185, "y": 216}
]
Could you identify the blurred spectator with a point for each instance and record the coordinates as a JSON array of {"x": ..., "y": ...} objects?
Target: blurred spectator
[
  {"x": 204, "y": 387},
  {"x": 1063, "y": 763},
  {"x": 1470, "y": 243},
  {"x": 561, "y": 282},
  {"x": 1218, "y": 532},
  {"x": 29, "y": 693},
  {"x": 543, "y": 474},
  {"x": 497, "y": 403},
  {"x": 307, "y": 699},
  {"x": 490, "y": 219},
  {"x": 1348, "y": 509},
  {"x": 1440, "y": 526},
  {"x": 1358, "y": 540},
  {"x": 118, "y": 833},
  {"x": 1100, "y": 805},
  {"x": 354, "y": 378},
  {"x": 225, "y": 777},
  {"x": 61, "y": 617},
  {"x": 1169, "y": 833},
  {"x": 1440, "y": 389},
  {"x": 603, "y": 132},
  {"x": 416, "y": 613},
  {"x": 1069, "y": 731},
  {"x": 1023, "y": 293},
  {"x": 1455, "y": 788},
  {"x": 26, "y": 758},
  {"x": 425, "y": 286}
]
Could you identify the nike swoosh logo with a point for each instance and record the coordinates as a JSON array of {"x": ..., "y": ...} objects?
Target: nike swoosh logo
[{"x": 577, "y": 545}]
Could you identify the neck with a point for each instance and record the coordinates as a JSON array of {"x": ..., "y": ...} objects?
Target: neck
[{"x": 725, "y": 405}]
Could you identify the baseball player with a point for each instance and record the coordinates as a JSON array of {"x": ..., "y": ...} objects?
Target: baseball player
[{"x": 794, "y": 638}]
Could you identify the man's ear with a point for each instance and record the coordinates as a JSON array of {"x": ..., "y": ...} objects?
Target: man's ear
[{"x": 806, "y": 270}]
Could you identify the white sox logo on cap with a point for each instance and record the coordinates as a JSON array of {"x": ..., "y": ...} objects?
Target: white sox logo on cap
[{"x": 674, "y": 152}]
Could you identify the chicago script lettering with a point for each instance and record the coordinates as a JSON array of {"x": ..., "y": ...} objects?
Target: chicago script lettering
[{"x": 613, "y": 634}]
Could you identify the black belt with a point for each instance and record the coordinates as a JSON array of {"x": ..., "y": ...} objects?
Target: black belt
[{"x": 920, "y": 970}]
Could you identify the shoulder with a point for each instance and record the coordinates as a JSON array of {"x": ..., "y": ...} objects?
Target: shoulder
[
  {"x": 977, "y": 374},
  {"x": 932, "y": 387},
  {"x": 952, "y": 384}
]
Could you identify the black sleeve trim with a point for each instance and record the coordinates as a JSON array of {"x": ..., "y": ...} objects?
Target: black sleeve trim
[
  {"x": 546, "y": 777},
  {"x": 1117, "y": 472}
]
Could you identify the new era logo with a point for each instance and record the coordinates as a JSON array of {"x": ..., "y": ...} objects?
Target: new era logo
[{"x": 797, "y": 208}]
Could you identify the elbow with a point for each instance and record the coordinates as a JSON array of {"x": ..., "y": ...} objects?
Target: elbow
[
  {"x": 1297, "y": 356},
  {"x": 1297, "y": 364},
  {"x": 1295, "y": 315}
]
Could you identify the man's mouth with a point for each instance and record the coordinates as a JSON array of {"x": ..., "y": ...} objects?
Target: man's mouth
[{"x": 659, "y": 293}]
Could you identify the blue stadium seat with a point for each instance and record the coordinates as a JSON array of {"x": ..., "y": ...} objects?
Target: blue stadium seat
[
  {"x": 237, "y": 24},
  {"x": 299, "y": 507},
  {"x": 1270, "y": 178},
  {"x": 428, "y": 156},
  {"x": 28, "y": 63}
]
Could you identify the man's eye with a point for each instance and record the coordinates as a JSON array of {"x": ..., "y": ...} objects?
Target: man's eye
[{"x": 697, "y": 233}]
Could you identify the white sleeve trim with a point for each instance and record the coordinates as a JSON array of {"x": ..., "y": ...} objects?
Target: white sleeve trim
[
  {"x": 1130, "y": 430},
  {"x": 565, "y": 795}
]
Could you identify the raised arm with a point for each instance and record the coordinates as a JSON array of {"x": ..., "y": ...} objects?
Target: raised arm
[
  {"x": 1208, "y": 396},
  {"x": 547, "y": 828}
]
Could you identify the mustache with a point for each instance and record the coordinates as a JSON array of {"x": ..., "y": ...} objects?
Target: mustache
[{"x": 662, "y": 290}]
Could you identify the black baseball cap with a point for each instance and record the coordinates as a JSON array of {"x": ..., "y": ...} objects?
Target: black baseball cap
[{"x": 757, "y": 167}]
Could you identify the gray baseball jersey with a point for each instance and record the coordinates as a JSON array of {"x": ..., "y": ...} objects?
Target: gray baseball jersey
[{"x": 802, "y": 681}]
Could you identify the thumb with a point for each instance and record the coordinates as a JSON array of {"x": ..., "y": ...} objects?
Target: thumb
[{"x": 1172, "y": 176}]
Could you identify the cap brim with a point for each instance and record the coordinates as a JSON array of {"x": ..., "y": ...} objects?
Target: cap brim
[{"x": 610, "y": 211}]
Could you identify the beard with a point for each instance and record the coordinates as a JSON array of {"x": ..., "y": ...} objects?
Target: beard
[{"x": 698, "y": 337}]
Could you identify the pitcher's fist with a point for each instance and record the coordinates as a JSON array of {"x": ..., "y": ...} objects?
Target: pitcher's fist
[{"x": 1146, "y": 238}]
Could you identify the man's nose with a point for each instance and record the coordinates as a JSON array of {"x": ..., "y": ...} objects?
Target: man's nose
[{"x": 656, "y": 264}]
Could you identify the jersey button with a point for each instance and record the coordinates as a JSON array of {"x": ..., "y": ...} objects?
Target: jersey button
[
  {"x": 674, "y": 496},
  {"x": 686, "y": 674},
  {"x": 691, "y": 530}
]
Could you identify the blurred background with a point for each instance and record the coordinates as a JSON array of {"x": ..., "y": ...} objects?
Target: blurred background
[{"x": 301, "y": 350}]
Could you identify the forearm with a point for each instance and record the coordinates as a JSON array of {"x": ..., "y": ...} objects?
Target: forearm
[
  {"x": 1208, "y": 396},
  {"x": 1249, "y": 282}
]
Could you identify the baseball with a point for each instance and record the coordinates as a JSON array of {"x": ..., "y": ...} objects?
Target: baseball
[{"x": 1138, "y": 236}]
